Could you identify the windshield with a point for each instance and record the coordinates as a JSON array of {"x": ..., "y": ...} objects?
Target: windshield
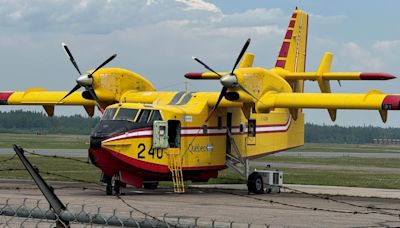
[
  {"x": 126, "y": 117},
  {"x": 143, "y": 116},
  {"x": 155, "y": 115},
  {"x": 126, "y": 114},
  {"x": 109, "y": 114}
]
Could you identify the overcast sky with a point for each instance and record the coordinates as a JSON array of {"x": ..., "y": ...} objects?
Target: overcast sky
[{"x": 156, "y": 38}]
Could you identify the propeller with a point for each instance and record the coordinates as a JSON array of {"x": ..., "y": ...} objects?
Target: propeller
[
  {"x": 85, "y": 80},
  {"x": 228, "y": 80}
]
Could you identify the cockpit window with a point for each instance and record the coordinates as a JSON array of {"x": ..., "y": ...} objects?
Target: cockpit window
[
  {"x": 109, "y": 114},
  {"x": 155, "y": 115},
  {"x": 126, "y": 114},
  {"x": 143, "y": 116}
]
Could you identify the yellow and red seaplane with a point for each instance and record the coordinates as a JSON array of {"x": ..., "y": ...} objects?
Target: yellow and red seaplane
[{"x": 146, "y": 136}]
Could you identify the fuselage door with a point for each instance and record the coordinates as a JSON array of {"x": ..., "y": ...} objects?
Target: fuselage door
[
  {"x": 174, "y": 133},
  {"x": 160, "y": 134}
]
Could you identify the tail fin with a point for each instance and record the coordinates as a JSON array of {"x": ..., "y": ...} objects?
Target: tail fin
[{"x": 292, "y": 56}]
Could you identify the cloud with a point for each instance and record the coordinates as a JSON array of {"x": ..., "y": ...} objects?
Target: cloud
[
  {"x": 199, "y": 5},
  {"x": 334, "y": 19},
  {"x": 360, "y": 59},
  {"x": 252, "y": 17},
  {"x": 107, "y": 16},
  {"x": 386, "y": 45}
]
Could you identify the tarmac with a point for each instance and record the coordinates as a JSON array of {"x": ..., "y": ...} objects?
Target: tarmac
[
  {"x": 320, "y": 190},
  {"x": 231, "y": 203}
]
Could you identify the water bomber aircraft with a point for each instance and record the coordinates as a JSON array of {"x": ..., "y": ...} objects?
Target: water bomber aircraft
[{"x": 146, "y": 136}]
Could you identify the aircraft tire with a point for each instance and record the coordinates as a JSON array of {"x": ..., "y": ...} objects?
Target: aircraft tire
[
  {"x": 109, "y": 190},
  {"x": 255, "y": 183},
  {"x": 117, "y": 187},
  {"x": 150, "y": 185}
]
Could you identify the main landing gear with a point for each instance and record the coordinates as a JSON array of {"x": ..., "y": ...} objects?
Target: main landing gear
[
  {"x": 259, "y": 181},
  {"x": 255, "y": 183},
  {"x": 114, "y": 185}
]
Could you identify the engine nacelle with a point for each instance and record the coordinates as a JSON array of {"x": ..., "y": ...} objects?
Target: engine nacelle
[{"x": 111, "y": 83}]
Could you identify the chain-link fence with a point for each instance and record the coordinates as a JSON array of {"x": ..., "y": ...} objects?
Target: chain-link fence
[{"x": 37, "y": 213}]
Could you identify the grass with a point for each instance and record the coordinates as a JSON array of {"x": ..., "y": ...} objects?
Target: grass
[
  {"x": 353, "y": 148},
  {"x": 90, "y": 173},
  {"x": 342, "y": 178},
  {"x": 323, "y": 177},
  {"x": 44, "y": 141},
  {"x": 58, "y": 166},
  {"x": 341, "y": 161}
]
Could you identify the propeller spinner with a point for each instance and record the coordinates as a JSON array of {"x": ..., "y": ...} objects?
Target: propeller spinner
[
  {"x": 85, "y": 80},
  {"x": 228, "y": 80}
]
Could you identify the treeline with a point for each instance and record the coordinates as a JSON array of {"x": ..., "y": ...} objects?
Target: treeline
[
  {"x": 39, "y": 123},
  {"x": 351, "y": 135}
]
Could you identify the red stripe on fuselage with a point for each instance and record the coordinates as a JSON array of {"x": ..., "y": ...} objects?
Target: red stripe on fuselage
[{"x": 152, "y": 167}]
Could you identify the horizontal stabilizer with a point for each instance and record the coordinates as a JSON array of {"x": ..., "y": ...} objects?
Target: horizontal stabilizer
[{"x": 329, "y": 76}]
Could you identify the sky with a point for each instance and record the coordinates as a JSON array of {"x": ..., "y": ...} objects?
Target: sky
[{"x": 156, "y": 38}]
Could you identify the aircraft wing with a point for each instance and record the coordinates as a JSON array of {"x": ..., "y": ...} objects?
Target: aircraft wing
[
  {"x": 373, "y": 100},
  {"x": 47, "y": 99}
]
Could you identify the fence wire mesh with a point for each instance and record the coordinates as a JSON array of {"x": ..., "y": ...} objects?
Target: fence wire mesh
[{"x": 37, "y": 213}]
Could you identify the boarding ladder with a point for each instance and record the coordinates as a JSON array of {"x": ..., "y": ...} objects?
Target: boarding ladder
[{"x": 175, "y": 160}]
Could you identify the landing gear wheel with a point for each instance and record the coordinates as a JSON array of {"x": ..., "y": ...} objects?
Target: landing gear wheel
[
  {"x": 117, "y": 187},
  {"x": 255, "y": 183},
  {"x": 150, "y": 185},
  {"x": 109, "y": 189},
  {"x": 108, "y": 181}
]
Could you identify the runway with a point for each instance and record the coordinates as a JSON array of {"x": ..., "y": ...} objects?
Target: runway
[{"x": 276, "y": 210}]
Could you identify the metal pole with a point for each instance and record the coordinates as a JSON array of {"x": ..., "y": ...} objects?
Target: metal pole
[{"x": 47, "y": 191}]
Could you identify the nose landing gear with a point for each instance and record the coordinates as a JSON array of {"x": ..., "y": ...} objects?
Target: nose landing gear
[{"x": 113, "y": 184}]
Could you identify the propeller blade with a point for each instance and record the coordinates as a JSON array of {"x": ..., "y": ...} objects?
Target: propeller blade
[
  {"x": 246, "y": 45},
  {"x": 93, "y": 94},
  {"x": 246, "y": 91},
  {"x": 205, "y": 66},
  {"x": 340, "y": 84},
  {"x": 221, "y": 95},
  {"x": 73, "y": 90},
  {"x": 103, "y": 64},
  {"x": 71, "y": 58}
]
